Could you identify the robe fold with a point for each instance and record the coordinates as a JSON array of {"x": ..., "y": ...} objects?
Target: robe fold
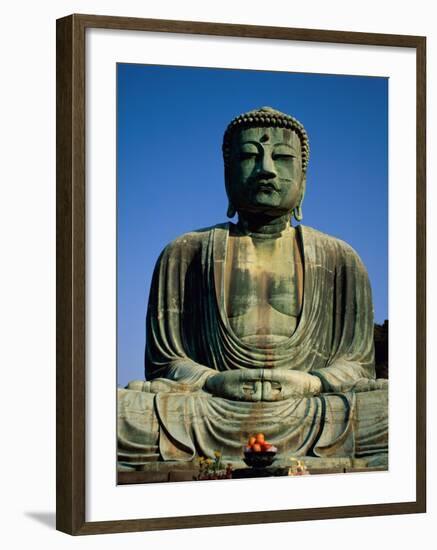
[{"x": 189, "y": 338}]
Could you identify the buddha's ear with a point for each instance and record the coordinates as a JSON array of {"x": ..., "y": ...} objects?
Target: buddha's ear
[
  {"x": 297, "y": 210},
  {"x": 227, "y": 175},
  {"x": 231, "y": 208},
  {"x": 231, "y": 211},
  {"x": 303, "y": 187}
]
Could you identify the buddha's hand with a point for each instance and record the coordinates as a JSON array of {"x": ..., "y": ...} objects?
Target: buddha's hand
[
  {"x": 237, "y": 385},
  {"x": 279, "y": 384},
  {"x": 262, "y": 384}
]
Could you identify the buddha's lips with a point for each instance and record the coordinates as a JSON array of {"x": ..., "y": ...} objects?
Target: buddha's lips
[{"x": 266, "y": 186}]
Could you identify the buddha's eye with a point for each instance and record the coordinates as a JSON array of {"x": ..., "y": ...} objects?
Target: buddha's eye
[
  {"x": 246, "y": 155},
  {"x": 282, "y": 156}
]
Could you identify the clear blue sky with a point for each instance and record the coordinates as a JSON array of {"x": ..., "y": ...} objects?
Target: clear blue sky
[{"x": 170, "y": 172}]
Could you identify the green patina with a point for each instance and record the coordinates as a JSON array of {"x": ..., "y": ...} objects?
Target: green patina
[{"x": 258, "y": 325}]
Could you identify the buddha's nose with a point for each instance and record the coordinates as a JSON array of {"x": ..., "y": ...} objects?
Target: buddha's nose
[{"x": 266, "y": 167}]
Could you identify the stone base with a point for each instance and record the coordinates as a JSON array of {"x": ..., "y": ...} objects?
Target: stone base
[{"x": 160, "y": 472}]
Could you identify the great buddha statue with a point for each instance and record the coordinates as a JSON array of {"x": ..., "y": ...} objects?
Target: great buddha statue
[{"x": 259, "y": 325}]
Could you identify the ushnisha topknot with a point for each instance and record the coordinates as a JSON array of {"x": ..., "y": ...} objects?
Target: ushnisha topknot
[{"x": 267, "y": 117}]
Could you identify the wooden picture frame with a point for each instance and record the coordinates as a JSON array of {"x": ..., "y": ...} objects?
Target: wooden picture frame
[{"x": 71, "y": 274}]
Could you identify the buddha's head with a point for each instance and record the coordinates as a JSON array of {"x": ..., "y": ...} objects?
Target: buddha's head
[{"x": 266, "y": 154}]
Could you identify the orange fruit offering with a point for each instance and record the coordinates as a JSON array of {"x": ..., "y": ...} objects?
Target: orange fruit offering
[{"x": 257, "y": 443}]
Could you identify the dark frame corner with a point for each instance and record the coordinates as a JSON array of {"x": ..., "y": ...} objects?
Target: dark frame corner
[{"x": 70, "y": 273}]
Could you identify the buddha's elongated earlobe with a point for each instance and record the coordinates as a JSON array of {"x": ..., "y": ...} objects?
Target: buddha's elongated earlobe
[
  {"x": 297, "y": 213},
  {"x": 297, "y": 210},
  {"x": 231, "y": 210}
]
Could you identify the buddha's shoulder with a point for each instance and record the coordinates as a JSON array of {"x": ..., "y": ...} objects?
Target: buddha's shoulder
[
  {"x": 328, "y": 242},
  {"x": 193, "y": 241}
]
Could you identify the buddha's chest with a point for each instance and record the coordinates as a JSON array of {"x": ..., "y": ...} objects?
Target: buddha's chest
[{"x": 263, "y": 286}]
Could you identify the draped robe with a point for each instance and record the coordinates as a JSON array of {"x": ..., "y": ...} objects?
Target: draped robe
[{"x": 189, "y": 338}]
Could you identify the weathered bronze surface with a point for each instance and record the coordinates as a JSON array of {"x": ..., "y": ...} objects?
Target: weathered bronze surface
[{"x": 259, "y": 325}]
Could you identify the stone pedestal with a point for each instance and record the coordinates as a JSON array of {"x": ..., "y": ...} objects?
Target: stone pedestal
[{"x": 160, "y": 472}]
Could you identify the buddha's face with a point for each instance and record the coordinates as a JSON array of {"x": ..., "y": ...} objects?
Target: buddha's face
[{"x": 265, "y": 172}]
